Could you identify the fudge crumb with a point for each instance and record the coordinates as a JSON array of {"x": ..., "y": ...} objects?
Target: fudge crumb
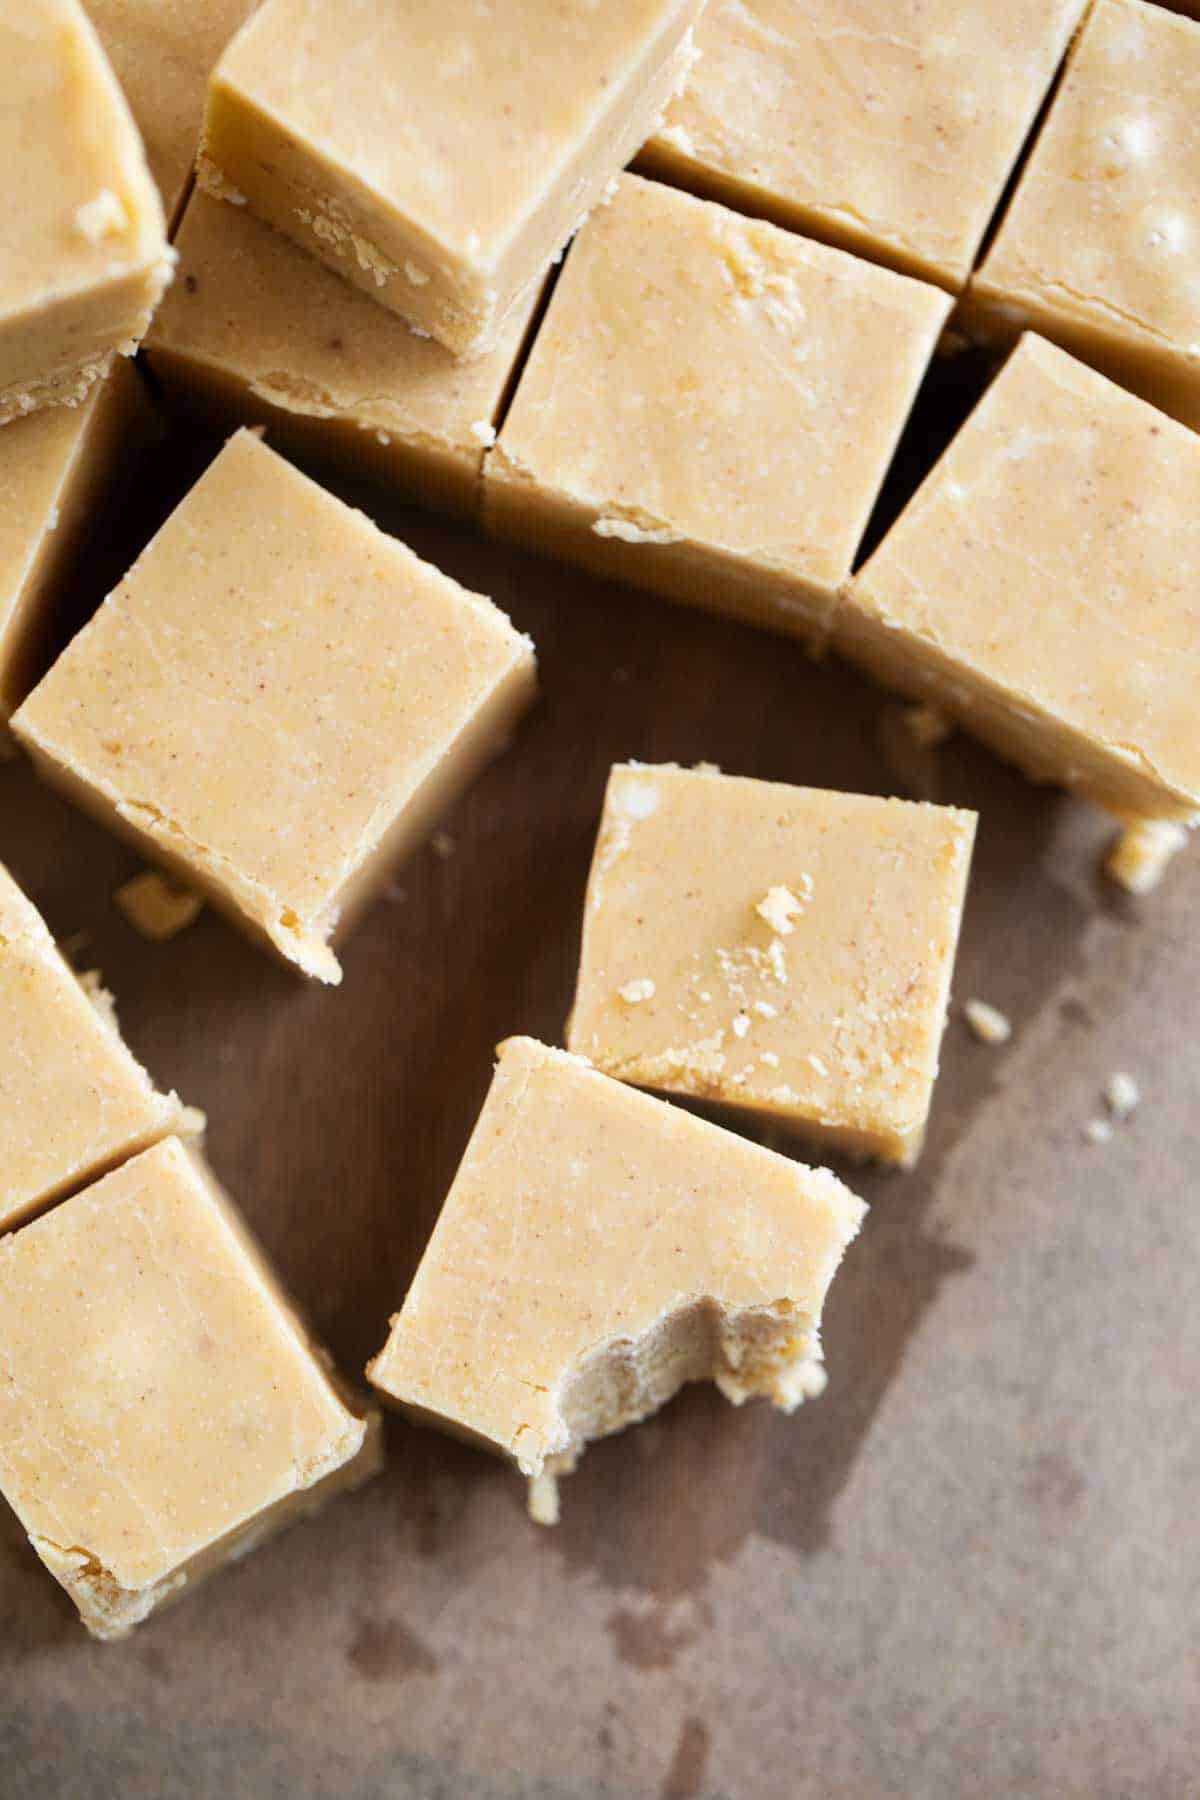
[
  {"x": 158, "y": 907},
  {"x": 543, "y": 1499},
  {"x": 443, "y": 844},
  {"x": 633, "y": 533},
  {"x": 779, "y": 906},
  {"x": 926, "y": 725},
  {"x": 706, "y": 768},
  {"x": 105, "y": 216},
  {"x": 483, "y": 432},
  {"x": 636, "y": 991},
  {"x": 765, "y": 1010},
  {"x": 769, "y": 1058},
  {"x": 741, "y": 1026},
  {"x": 1138, "y": 858},
  {"x": 989, "y": 1024},
  {"x": 1122, "y": 1095},
  {"x": 1098, "y": 1131}
]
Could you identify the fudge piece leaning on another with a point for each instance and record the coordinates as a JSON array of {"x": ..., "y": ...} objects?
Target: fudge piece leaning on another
[
  {"x": 439, "y": 156},
  {"x": 710, "y": 408},
  {"x": 784, "y": 951},
  {"x": 599, "y": 1248},
  {"x": 278, "y": 701},
  {"x": 1040, "y": 587},
  {"x": 74, "y": 1101},
  {"x": 163, "y": 1409},
  {"x": 890, "y": 131},
  {"x": 84, "y": 256}
]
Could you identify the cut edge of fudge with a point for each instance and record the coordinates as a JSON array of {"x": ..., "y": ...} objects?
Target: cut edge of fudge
[
  {"x": 109, "y": 1608},
  {"x": 769, "y": 1349},
  {"x": 23, "y": 930},
  {"x": 467, "y": 310}
]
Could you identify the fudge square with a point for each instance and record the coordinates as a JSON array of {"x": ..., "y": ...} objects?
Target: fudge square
[
  {"x": 73, "y": 1100},
  {"x": 163, "y": 52},
  {"x": 163, "y": 1409},
  {"x": 277, "y": 701},
  {"x": 783, "y": 950},
  {"x": 83, "y": 249},
  {"x": 1100, "y": 247},
  {"x": 1040, "y": 588},
  {"x": 254, "y": 331},
  {"x": 895, "y": 143},
  {"x": 58, "y": 467},
  {"x": 439, "y": 156},
  {"x": 710, "y": 407},
  {"x": 598, "y": 1249}
]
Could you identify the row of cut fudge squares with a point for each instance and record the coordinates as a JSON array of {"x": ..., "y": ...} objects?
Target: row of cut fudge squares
[
  {"x": 709, "y": 410},
  {"x": 438, "y": 172},
  {"x": 161, "y": 1405},
  {"x": 163, "y": 1409}
]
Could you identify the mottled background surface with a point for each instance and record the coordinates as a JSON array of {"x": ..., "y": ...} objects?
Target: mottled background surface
[{"x": 970, "y": 1570}]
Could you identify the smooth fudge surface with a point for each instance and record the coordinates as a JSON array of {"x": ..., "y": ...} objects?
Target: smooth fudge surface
[
  {"x": 1100, "y": 247},
  {"x": 83, "y": 249},
  {"x": 162, "y": 1409},
  {"x": 710, "y": 407},
  {"x": 890, "y": 131},
  {"x": 783, "y": 950},
  {"x": 1040, "y": 588},
  {"x": 599, "y": 1248},
  {"x": 73, "y": 1099},
  {"x": 439, "y": 156},
  {"x": 255, "y": 331},
  {"x": 58, "y": 468},
  {"x": 163, "y": 52},
  {"x": 278, "y": 700}
]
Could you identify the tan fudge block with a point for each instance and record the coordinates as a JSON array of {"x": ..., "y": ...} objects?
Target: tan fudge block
[
  {"x": 598, "y": 1249},
  {"x": 255, "y": 331},
  {"x": 58, "y": 468},
  {"x": 888, "y": 131},
  {"x": 73, "y": 1101},
  {"x": 163, "y": 52},
  {"x": 439, "y": 157},
  {"x": 1041, "y": 587},
  {"x": 786, "y": 951},
  {"x": 162, "y": 1409},
  {"x": 1100, "y": 248},
  {"x": 710, "y": 407},
  {"x": 278, "y": 700},
  {"x": 83, "y": 249}
]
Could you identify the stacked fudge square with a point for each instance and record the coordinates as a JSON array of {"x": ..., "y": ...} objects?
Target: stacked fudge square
[{"x": 278, "y": 700}]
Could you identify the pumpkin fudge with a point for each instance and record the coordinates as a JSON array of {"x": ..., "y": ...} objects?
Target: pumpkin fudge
[
  {"x": 785, "y": 951},
  {"x": 163, "y": 52},
  {"x": 710, "y": 407},
  {"x": 162, "y": 1409},
  {"x": 58, "y": 469},
  {"x": 891, "y": 134},
  {"x": 73, "y": 1101},
  {"x": 1100, "y": 247},
  {"x": 434, "y": 156},
  {"x": 598, "y": 1249},
  {"x": 277, "y": 701},
  {"x": 83, "y": 249},
  {"x": 1040, "y": 589},
  {"x": 254, "y": 331}
]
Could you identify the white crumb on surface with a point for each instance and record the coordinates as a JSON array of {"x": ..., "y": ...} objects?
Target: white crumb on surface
[
  {"x": 634, "y": 992},
  {"x": 741, "y": 1025},
  {"x": 769, "y": 1058},
  {"x": 483, "y": 431},
  {"x": 989, "y": 1024},
  {"x": 1122, "y": 1095},
  {"x": 765, "y": 1010},
  {"x": 382, "y": 437},
  {"x": 1098, "y": 1131},
  {"x": 1139, "y": 857},
  {"x": 779, "y": 906},
  {"x": 817, "y": 1063},
  {"x": 543, "y": 1499},
  {"x": 103, "y": 217}
]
